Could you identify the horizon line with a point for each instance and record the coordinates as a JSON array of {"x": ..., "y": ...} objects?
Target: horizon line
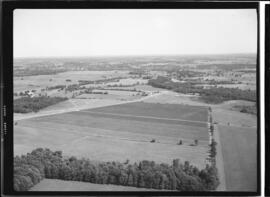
[{"x": 135, "y": 55}]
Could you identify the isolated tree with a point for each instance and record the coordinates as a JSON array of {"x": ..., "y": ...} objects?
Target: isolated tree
[{"x": 127, "y": 161}]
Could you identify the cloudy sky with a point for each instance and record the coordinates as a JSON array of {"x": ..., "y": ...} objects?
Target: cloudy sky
[{"x": 93, "y": 32}]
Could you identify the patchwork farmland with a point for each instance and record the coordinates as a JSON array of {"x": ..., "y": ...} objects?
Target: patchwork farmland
[
  {"x": 136, "y": 116},
  {"x": 121, "y": 132}
]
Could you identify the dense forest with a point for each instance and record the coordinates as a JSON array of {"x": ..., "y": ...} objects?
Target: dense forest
[
  {"x": 43, "y": 163},
  {"x": 28, "y": 104},
  {"x": 211, "y": 95}
]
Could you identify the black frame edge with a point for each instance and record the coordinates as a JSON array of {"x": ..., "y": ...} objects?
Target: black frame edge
[{"x": 7, "y": 17}]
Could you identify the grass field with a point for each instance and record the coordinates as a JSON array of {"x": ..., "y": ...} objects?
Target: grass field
[
  {"x": 176, "y": 98},
  {"x": 60, "y": 185},
  {"x": 41, "y": 81},
  {"x": 170, "y": 111},
  {"x": 225, "y": 116},
  {"x": 108, "y": 96},
  {"x": 239, "y": 146},
  {"x": 124, "y": 134}
]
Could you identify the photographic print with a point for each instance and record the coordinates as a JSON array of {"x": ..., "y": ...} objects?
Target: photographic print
[
  {"x": 135, "y": 100},
  {"x": 267, "y": 106}
]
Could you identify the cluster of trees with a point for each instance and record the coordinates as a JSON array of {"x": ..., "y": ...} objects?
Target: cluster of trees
[
  {"x": 137, "y": 72},
  {"x": 252, "y": 109},
  {"x": 213, "y": 152},
  {"x": 37, "y": 71},
  {"x": 85, "y": 82},
  {"x": 119, "y": 89},
  {"x": 56, "y": 87},
  {"x": 31, "y": 168},
  {"x": 80, "y": 86},
  {"x": 121, "y": 85},
  {"x": 187, "y": 73},
  {"x": 217, "y": 95},
  {"x": 140, "y": 73},
  {"x": 97, "y": 92},
  {"x": 227, "y": 67},
  {"x": 211, "y": 95},
  {"x": 213, "y": 149},
  {"x": 74, "y": 87},
  {"x": 214, "y": 82},
  {"x": 28, "y": 104},
  {"x": 25, "y": 93}
]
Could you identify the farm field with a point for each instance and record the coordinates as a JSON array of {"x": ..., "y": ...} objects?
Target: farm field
[
  {"x": 238, "y": 141},
  {"x": 41, "y": 81},
  {"x": 60, "y": 185},
  {"x": 103, "y": 136},
  {"x": 223, "y": 113},
  {"x": 110, "y": 96},
  {"x": 170, "y": 111},
  {"x": 67, "y": 106},
  {"x": 239, "y": 149},
  {"x": 118, "y": 114},
  {"x": 170, "y": 97},
  {"x": 227, "y": 116}
]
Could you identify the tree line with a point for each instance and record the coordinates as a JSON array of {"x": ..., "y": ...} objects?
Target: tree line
[
  {"x": 43, "y": 163},
  {"x": 211, "y": 95},
  {"x": 28, "y": 104}
]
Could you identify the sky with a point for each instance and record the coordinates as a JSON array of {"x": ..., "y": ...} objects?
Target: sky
[{"x": 115, "y": 32}]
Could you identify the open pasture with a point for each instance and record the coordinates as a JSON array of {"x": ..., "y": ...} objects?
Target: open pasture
[{"x": 108, "y": 137}]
